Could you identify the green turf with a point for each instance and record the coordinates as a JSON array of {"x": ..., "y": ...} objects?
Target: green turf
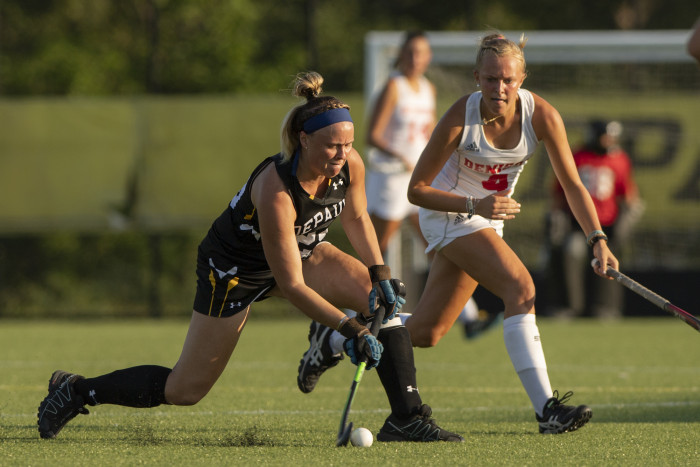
[{"x": 640, "y": 376}]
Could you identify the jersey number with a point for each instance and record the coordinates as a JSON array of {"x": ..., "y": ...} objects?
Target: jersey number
[{"x": 497, "y": 182}]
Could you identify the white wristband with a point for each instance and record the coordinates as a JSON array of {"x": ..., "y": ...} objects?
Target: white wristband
[{"x": 470, "y": 207}]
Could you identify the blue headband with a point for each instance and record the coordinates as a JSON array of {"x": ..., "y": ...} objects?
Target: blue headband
[{"x": 329, "y": 117}]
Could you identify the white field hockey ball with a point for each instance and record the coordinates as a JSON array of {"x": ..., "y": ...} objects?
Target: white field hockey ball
[{"x": 361, "y": 437}]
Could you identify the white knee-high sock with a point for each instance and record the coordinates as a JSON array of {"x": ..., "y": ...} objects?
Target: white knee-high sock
[{"x": 522, "y": 339}]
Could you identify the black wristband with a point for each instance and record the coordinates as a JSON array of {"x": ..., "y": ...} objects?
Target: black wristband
[
  {"x": 595, "y": 239},
  {"x": 352, "y": 328},
  {"x": 379, "y": 272}
]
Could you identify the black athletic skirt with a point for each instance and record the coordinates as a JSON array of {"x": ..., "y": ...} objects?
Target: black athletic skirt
[{"x": 224, "y": 288}]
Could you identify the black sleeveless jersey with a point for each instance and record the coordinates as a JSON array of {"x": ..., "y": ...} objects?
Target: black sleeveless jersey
[{"x": 234, "y": 239}]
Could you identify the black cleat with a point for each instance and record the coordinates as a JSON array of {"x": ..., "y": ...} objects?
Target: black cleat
[
  {"x": 417, "y": 427},
  {"x": 318, "y": 358},
  {"x": 61, "y": 405},
  {"x": 559, "y": 418}
]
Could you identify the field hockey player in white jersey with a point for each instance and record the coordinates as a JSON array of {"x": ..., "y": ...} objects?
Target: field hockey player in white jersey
[
  {"x": 402, "y": 120},
  {"x": 464, "y": 182}
]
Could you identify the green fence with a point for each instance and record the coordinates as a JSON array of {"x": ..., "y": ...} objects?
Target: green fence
[{"x": 105, "y": 199}]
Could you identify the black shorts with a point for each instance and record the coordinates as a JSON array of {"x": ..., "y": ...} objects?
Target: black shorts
[{"x": 223, "y": 289}]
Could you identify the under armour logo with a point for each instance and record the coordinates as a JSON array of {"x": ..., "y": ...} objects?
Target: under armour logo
[{"x": 411, "y": 389}]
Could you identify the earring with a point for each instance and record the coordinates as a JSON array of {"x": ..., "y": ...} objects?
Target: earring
[{"x": 478, "y": 85}]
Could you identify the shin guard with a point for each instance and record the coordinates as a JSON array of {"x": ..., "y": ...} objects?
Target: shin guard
[
  {"x": 397, "y": 371},
  {"x": 139, "y": 386}
]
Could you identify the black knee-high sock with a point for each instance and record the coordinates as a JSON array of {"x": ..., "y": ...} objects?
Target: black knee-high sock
[
  {"x": 397, "y": 371},
  {"x": 139, "y": 386}
]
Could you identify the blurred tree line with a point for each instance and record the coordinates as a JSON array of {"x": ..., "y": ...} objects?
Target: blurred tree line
[
  {"x": 168, "y": 47},
  {"x": 106, "y": 47}
]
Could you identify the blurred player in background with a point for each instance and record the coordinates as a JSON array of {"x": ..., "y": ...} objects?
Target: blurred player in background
[
  {"x": 269, "y": 241},
  {"x": 606, "y": 172},
  {"x": 401, "y": 122}
]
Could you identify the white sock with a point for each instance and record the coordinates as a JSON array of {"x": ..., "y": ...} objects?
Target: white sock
[
  {"x": 522, "y": 339},
  {"x": 337, "y": 340},
  {"x": 536, "y": 384}
]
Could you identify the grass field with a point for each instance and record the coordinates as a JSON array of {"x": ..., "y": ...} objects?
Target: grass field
[{"x": 641, "y": 377}]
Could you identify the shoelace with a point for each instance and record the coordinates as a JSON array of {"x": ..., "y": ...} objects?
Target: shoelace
[
  {"x": 426, "y": 415},
  {"x": 563, "y": 398}
]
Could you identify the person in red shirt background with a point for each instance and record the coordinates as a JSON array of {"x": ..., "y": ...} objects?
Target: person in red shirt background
[{"x": 606, "y": 171}]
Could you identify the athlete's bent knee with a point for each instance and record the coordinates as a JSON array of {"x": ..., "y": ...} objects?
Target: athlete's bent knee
[
  {"x": 185, "y": 393},
  {"x": 184, "y": 398},
  {"x": 520, "y": 296},
  {"x": 427, "y": 336}
]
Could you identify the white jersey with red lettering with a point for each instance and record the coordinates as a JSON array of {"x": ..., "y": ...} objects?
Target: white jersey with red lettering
[
  {"x": 478, "y": 169},
  {"x": 409, "y": 127},
  {"x": 406, "y": 134}
]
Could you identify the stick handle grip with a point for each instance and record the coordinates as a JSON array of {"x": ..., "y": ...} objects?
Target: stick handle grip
[
  {"x": 377, "y": 321},
  {"x": 634, "y": 286}
]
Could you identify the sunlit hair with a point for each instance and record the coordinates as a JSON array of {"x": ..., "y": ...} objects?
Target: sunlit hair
[
  {"x": 307, "y": 85},
  {"x": 407, "y": 38},
  {"x": 499, "y": 45}
]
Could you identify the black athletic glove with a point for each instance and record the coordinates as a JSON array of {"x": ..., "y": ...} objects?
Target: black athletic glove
[
  {"x": 385, "y": 291},
  {"x": 361, "y": 345},
  {"x": 364, "y": 348}
]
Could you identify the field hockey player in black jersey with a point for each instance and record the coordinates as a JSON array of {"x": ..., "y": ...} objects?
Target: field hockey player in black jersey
[{"x": 269, "y": 241}]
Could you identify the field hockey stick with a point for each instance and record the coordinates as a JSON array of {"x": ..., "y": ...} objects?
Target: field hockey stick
[
  {"x": 346, "y": 428},
  {"x": 654, "y": 298}
]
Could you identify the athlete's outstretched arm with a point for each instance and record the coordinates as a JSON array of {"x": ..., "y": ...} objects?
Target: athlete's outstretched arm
[
  {"x": 549, "y": 127},
  {"x": 276, "y": 214}
]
